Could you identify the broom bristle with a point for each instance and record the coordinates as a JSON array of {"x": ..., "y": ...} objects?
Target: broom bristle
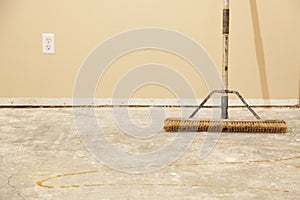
[{"x": 193, "y": 125}]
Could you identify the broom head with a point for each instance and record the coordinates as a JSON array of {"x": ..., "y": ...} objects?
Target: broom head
[{"x": 196, "y": 125}]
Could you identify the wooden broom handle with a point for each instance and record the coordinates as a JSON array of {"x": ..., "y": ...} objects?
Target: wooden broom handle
[
  {"x": 225, "y": 43},
  {"x": 224, "y": 98}
]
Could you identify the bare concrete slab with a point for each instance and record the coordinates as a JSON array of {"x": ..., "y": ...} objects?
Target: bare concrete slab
[{"x": 42, "y": 156}]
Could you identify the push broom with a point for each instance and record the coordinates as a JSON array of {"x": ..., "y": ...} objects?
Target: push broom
[{"x": 224, "y": 124}]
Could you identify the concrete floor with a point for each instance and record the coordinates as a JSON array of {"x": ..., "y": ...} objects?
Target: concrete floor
[{"x": 43, "y": 157}]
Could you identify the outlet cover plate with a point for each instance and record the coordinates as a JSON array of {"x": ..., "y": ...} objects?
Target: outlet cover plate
[{"x": 48, "y": 43}]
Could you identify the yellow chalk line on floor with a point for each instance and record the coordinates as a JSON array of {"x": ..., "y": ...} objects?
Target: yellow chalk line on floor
[{"x": 41, "y": 183}]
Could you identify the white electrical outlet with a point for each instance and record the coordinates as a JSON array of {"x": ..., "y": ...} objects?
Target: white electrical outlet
[{"x": 48, "y": 43}]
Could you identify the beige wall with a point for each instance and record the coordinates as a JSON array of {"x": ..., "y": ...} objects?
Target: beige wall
[{"x": 260, "y": 67}]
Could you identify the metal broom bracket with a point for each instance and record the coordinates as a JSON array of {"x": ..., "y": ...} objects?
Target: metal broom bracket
[{"x": 222, "y": 103}]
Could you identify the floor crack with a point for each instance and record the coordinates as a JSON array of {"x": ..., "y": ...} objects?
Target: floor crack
[
  {"x": 20, "y": 196},
  {"x": 13, "y": 187},
  {"x": 9, "y": 184}
]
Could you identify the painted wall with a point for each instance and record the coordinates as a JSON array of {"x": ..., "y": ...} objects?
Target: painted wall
[{"x": 264, "y": 44}]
